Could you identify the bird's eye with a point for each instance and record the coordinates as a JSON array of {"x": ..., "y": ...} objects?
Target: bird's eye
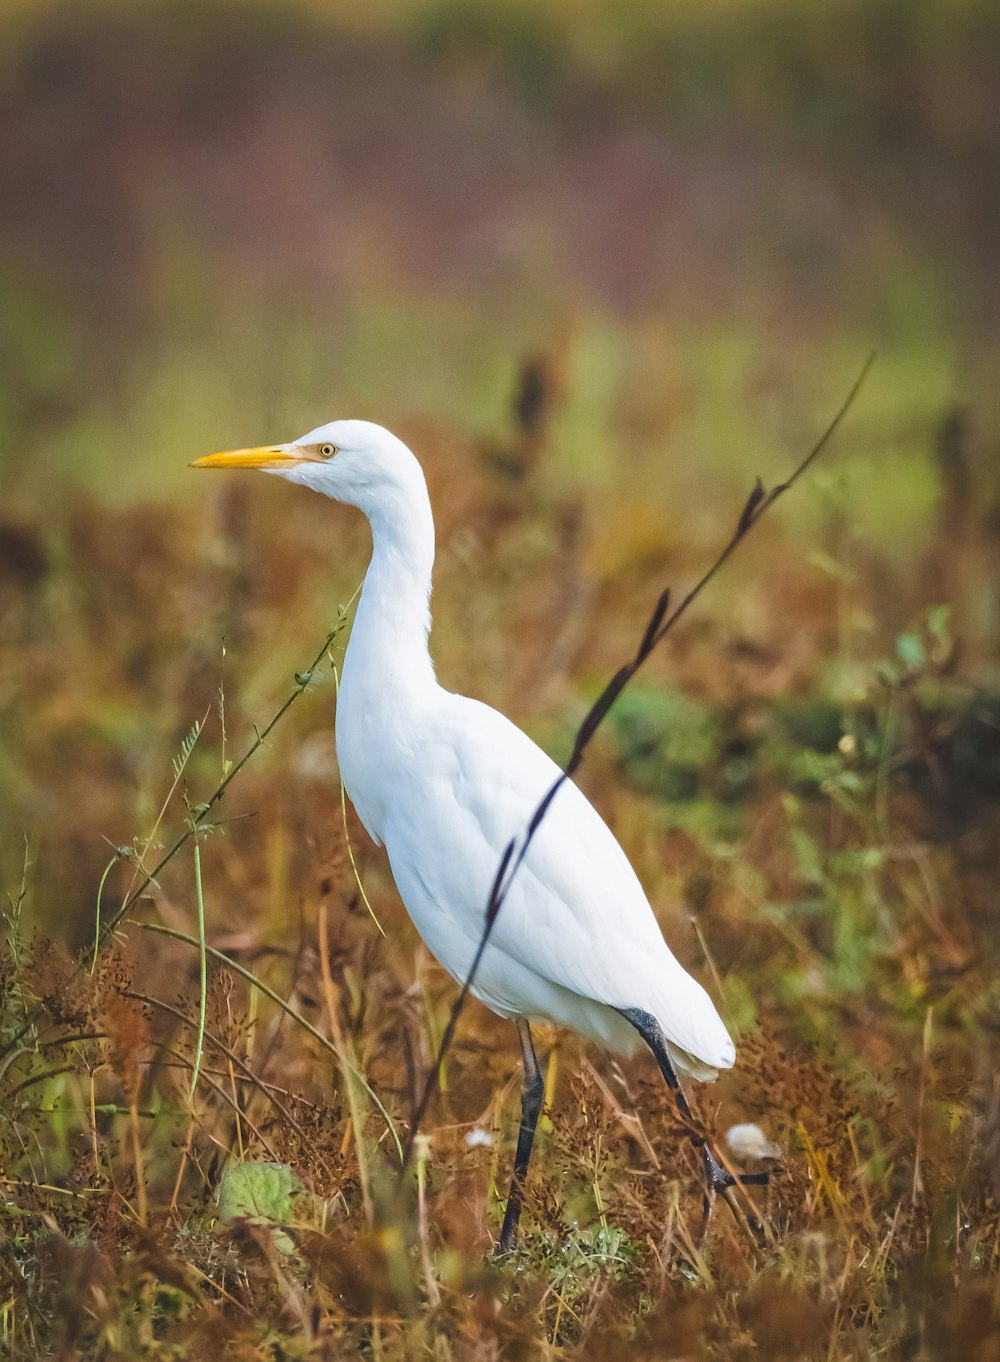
[{"x": 328, "y": 450}]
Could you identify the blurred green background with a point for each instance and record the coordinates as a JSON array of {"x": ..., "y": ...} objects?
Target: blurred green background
[
  {"x": 676, "y": 230},
  {"x": 601, "y": 263},
  {"x": 225, "y": 222}
]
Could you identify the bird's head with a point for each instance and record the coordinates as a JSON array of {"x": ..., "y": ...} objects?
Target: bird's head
[{"x": 352, "y": 461}]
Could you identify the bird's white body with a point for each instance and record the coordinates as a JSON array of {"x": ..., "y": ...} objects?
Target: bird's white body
[{"x": 445, "y": 783}]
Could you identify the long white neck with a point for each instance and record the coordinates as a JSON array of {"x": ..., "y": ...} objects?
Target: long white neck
[
  {"x": 389, "y": 637},
  {"x": 388, "y": 677}
]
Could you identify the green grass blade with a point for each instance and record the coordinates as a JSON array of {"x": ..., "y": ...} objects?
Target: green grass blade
[{"x": 202, "y": 971}]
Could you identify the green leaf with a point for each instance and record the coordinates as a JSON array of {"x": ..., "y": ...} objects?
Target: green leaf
[
  {"x": 808, "y": 861},
  {"x": 187, "y": 747},
  {"x": 910, "y": 648},
  {"x": 260, "y": 1193}
]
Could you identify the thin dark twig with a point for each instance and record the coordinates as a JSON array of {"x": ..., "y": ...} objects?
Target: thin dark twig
[
  {"x": 219, "y": 1090},
  {"x": 248, "y": 1073},
  {"x": 430, "y": 1087},
  {"x": 758, "y": 503},
  {"x": 302, "y": 683}
]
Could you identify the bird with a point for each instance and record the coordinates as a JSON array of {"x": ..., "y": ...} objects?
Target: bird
[{"x": 444, "y": 783}]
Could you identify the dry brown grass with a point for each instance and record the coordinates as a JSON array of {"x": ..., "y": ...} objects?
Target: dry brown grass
[
  {"x": 673, "y": 224},
  {"x": 840, "y": 899}
]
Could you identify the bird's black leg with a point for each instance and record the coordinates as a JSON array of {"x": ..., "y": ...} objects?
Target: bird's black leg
[
  {"x": 532, "y": 1094},
  {"x": 717, "y": 1178}
]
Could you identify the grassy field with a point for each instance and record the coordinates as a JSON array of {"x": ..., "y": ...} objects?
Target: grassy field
[{"x": 682, "y": 230}]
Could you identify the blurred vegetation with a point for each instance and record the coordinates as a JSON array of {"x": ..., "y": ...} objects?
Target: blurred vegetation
[{"x": 601, "y": 264}]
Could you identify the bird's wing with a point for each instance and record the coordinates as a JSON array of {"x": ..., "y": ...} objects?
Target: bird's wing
[{"x": 576, "y": 913}]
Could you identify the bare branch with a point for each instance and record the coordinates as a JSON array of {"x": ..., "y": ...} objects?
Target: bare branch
[
  {"x": 199, "y": 814},
  {"x": 659, "y": 626}
]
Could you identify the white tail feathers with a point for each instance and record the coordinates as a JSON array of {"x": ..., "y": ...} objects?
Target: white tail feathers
[{"x": 697, "y": 1037}]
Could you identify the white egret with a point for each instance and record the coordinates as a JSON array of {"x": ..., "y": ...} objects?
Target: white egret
[{"x": 445, "y": 783}]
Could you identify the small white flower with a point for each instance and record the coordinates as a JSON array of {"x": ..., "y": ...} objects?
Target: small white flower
[
  {"x": 478, "y": 1138},
  {"x": 748, "y": 1141}
]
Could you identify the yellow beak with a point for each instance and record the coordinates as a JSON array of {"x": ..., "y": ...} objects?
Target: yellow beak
[{"x": 264, "y": 456}]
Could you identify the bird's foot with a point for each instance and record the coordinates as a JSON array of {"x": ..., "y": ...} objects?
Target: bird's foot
[
  {"x": 718, "y": 1178},
  {"x": 720, "y": 1181}
]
